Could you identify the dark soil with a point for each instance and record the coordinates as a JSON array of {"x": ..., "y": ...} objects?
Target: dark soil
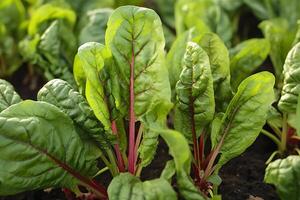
[{"x": 243, "y": 176}]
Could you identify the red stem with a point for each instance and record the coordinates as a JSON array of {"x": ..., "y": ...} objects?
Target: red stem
[
  {"x": 68, "y": 194},
  {"x": 92, "y": 184},
  {"x": 131, "y": 153},
  {"x": 195, "y": 141},
  {"x": 201, "y": 149},
  {"x": 117, "y": 147},
  {"x": 137, "y": 143}
]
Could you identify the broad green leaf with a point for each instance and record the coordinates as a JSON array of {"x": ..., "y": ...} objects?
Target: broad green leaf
[
  {"x": 291, "y": 84},
  {"x": 8, "y": 96},
  {"x": 39, "y": 151},
  {"x": 220, "y": 68},
  {"x": 246, "y": 57},
  {"x": 62, "y": 95},
  {"x": 254, "y": 96},
  {"x": 135, "y": 37},
  {"x": 284, "y": 174},
  {"x": 88, "y": 64},
  {"x": 49, "y": 12},
  {"x": 205, "y": 16},
  {"x": 195, "y": 103},
  {"x": 94, "y": 30},
  {"x": 127, "y": 186},
  {"x": 281, "y": 38}
]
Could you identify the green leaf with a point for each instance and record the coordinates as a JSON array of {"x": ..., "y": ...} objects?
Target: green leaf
[
  {"x": 156, "y": 117},
  {"x": 281, "y": 38},
  {"x": 12, "y": 14},
  {"x": 8, "y": 96},
  {"x": 39, "y": 151},
  {"x": 179, "y": 149},
  {"x": 62, "y": 95},
  {"x": 169, "y": 171},
  {"x": 284, "y": 174},
  {"x": 291, "y": 84},
  {"x": 127, "y": 186},
  {"x": 54, "y": 50},
  {"x": 274, "y": 117},
  {"x": 135, "y": 37},
  {"x": 195, "y": 103},
  {"x": 49, "y": 12},
  {"x": 94, "y": 30},
  {"x": 175, "y": 57},
  {"x": 205, "y": 16},
  {"x": 253, "y": 98},
  {"x": 220, "y": 68},
  {"x": 246, "y": 57},
  {"x": 88, "y": 64}
]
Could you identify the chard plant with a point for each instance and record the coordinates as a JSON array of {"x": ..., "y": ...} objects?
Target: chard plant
[
  {"x": 283, "y": 119},
  {"x": 116, "y": 117},
  {"x": 218, "y": 123}
]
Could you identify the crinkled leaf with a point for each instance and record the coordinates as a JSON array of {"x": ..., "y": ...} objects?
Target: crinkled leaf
[
  {"x": 254, "y": 96},
  {"x": 62, "y": 95},
  {"x": 291, "y": 84},
  {"x": 246, "y": 57},
  {"x": 135, "y": 37},
  {"x": 284, "y": 174},
  {"x": 39, "y": 151},
  {"x": 175, "y": 57},
  {"x": 220, "y": 68},
  {"x": 94, "y": 30},
  {"x": 127, "y": 186},
  {"x": 8, "y": 95},
  {"x": 195, "y": 103},
  {"x": 51, "y": 48}
]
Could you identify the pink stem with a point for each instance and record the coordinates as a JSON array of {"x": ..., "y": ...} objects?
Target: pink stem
[
  {"x": 117, "y": 148},
  {"x": 137, "y": 143},
  {"x": 131, "y": 153}
]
